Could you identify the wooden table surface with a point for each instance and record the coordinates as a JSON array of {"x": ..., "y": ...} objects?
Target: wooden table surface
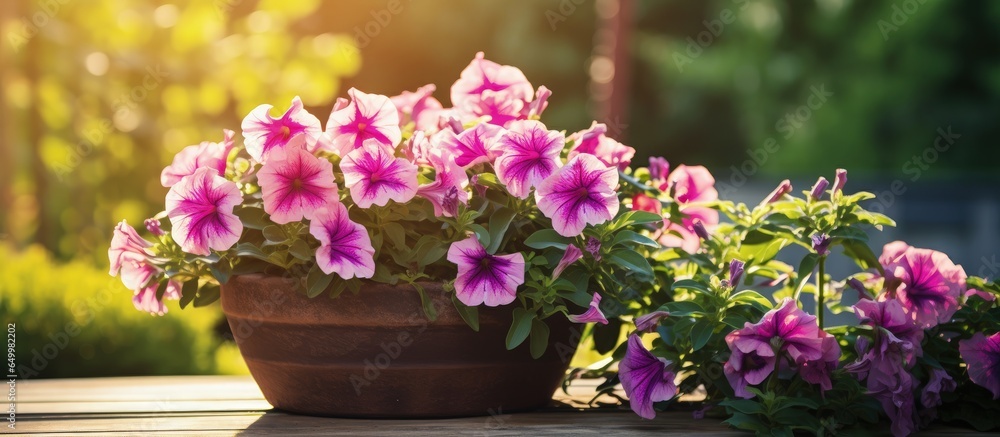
[{"x": 231, "y": 405}]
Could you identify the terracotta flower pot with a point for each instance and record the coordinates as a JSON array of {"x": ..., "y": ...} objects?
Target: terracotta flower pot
[{"x": 374, "y": 354}]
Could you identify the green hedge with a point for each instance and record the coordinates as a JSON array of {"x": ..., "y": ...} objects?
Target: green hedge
[{"x": 73, "y": 320}]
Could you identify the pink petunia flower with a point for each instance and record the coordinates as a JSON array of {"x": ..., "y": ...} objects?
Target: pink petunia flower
[
  {"x": 926, "y": 282},
  {"x": 191, "y": 158},
  {"x": 296, "y": 185},
  {"x": 479, "y": 144},
  {"x": 982, "y": 357},
  {"x": 127, "y": 253},
  {"x": 537, "y": 106},
  {"x": 690, "y": 184},
  {"x": 418, "y": 106},
  {"x": 818, "y": 371},
  {"x": 345, "y": 247},
  {"x": 200, "y": 208},
  {"x": 153, "y": 226},
  {"x": 263, "y": 133},
  {"x": 145, "y": 299},
  {"x": 659, "y": 169},
  {"x": 530, "y": 154},
  {"x": 593, "y": 313},
  {"x": 484, "y": 278},
  {"x": 839, "y": 180},
  {"x": 374, "y": 176},
  {"x": 572, "y": 255},
  {"x": 646, "y": 378},
  {"x": 497, "y": 108},
  {"x": 783, "y": 188},
  {"x": 418, "y": 148},
  {"x": 482, "y": 75},
  {"x": 649, "y": 322},
  {"x": 642, "y": 202},
  {"x": 368, "y": 118},
  {"x": 581, "y": 193},
  {"x": 984, "y": 295},
  {"x": 890, "y": 316},
  {"x": 595, "y": 142},
  {"x": 450, "y": 179}
]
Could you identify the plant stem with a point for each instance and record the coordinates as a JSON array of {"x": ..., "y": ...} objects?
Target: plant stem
[{"x": 820, "y": 285}]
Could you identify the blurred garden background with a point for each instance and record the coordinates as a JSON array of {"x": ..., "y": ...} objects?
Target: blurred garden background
[{"x": 97, "y": 96}]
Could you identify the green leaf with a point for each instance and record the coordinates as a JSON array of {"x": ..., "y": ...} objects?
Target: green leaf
[
  {"x": 745, "y": 406},
  {"x": 481, "y": 233},
  {"x": 249, "y": 250},
  {"x": 627, "y": 236},
  {"x": 753, "y": 298},
  {"x": 691, "y": 284},
  {"x": 606, "y": 336},
  {"x": 637, "y": 218},
  {"x": 747, "y": 422},
  {"x": 682, "y": 308},
  {"x": 317, "y": 281},
  {"x": 701, "y": 332},
  {"x": 396, "y": 234},
  {"x": 539, "y": 338},
  {"x": 631, "y": 262},
  {"x": 161, "y": 290},
  {"x": 499, "y": 222},
  {"x": 862, "y": 254},
  {"x": 221, "y": 272},
  {"x": 469, "y": 314},
  {"x": 274, "y": 234},
  {"x": 206, "y": 295},
  {"x": 546, "y": 238},
  {"x": 426, "y": 302},
  {"x": 806, "y": 267},
  {"x": 762, "y": 253},
  {"x": 252, "y": 217},
  {"x": 519, "y": 328},
  {"x": 188, "y": 292},
  {"x": 301, "y": 250}
]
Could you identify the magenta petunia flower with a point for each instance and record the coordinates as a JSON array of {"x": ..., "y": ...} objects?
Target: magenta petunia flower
[
  {"x": 982, "y": 357},
  {"x": 418, "y": 106},
  {"x": 595, "y": 142},
  {"x": 450, "y": 180},
  {"x": 497, "y": 108},
  {"x": 818, "y": 371},
  {"x": 593, "y": 313},
  {"x": 482, "y": 75},
  {"x": 296, "y": 185},
  {"x": 926, "y": 282},
  {"x": 530, "y": 153},
  {"x": 746, "y": 369},
  {"x": 374, "y": 176},
  {"x": 793, "y": 330},
  {"x": 200, "y": 208},
  {"x": 890, "y": 316},
  {"x": 649, "y": 322},
  {"x": 480, "y": 144},
  {"x": 690, "y": 185},
  {"x": 345, "y": 247},
  {"x": 572, "y": 255},
  {"x": 939, "y": 382},
  {"x": 581, "y": 193},
  {"x": 646, "y": 378},
  {"x": 191, "y": 158},
  {"x": 368, "y": 118},
  {"x": 659, "y": 169},
  {"x": 484, "y": 278},
  {"x": 127, "y": 253},
  {"x": 984, "y": 295},
  {"x": 537, "y": 106},
  {"x": 263, "y": 133},
  {"x": 145, "y": 299}
]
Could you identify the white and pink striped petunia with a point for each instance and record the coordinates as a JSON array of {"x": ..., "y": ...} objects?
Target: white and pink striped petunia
[
  {"x": 296, "y": 185},
  {"x": 595, "y": 142},
  {"x": 375, "y": 176},
  {"x": 368, "y": 118},
  {"x": 593, "y": 313},
  {"x": 345, "y": 247},
  {"x": 128, "y": 253},
  {"x": 484, "y": 278},
  {"x": 530, "y": 154},
  {"x": 200, "y": 208},
  {"x": 449, "y": 186},
  {"x": 581, "y": 193},
  {"x": 263, "y": 134},
  {"x": 480, "y": 144},
  {"x": 191, "y": 158},
  {"x": 482, "y": 77}
]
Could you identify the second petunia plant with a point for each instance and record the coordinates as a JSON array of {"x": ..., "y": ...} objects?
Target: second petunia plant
[{"x": 481, "y": 196}]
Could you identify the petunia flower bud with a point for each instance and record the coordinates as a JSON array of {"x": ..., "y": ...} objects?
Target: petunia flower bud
[
  {"x": 594, "y": 247},
  {"x": 819, "y": 188},
  {"x": 153, "y": 226},
  {"x": 780, "y": 191},
  {"x": 821, "y": 244},
  {"x": 699, "y": 229},
  {"x": 736, "y": 271},
  {"x": 840, "y": 180},
  {"x": 659, "y": 168},
  {"x": 450, "y": 202}
]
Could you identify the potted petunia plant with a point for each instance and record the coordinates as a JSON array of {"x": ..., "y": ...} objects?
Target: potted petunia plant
[
  {"x": 728, "y": 319},
  {"x": 417, "y": 220}
]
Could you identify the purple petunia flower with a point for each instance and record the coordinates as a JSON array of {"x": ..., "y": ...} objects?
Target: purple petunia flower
[
  {"x": 127, "y": 253},
  {"x": 145, "y": 299},
  {"x": 578, "y": 194},
  {"x": 263, "y": 133},
  {"x": 818, "y": 371},
  {"x": 595, "y": 142},
  {"x": 649, "y": 322},
  {"x": 646, "y": 378},
  {"x": 449, "y": 179},
  {"x": 593, "y": 313},
  {"x": 484, "y": 278},
  {"x": 821, "y": 244},
  {"x": 530, "y": 153},
  {"x": 819, "y": 188},
  {"x": 925, "y": 282},
  {"x": 889, "y": 315},
  {"x": 374, "y": 176},
  {"x": 369, "y": 118},
  {"x": 296, "y": 183},
  {"x": 939, "y": 382},
  {"x": 659, "y": 169},
  {"x": 480, "y": 144},
  {"x": 736, "y": 271},
  {"x": 572, "y": 255},
  {"x": 982, "y": 357},
  {"x": 593, "y": 247},
  {"x": 745, "y": 369},
  {"x": 345, "y": 247},
  {"x": 200, "y": 208},
  {"x": 191, "y": 158}
]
